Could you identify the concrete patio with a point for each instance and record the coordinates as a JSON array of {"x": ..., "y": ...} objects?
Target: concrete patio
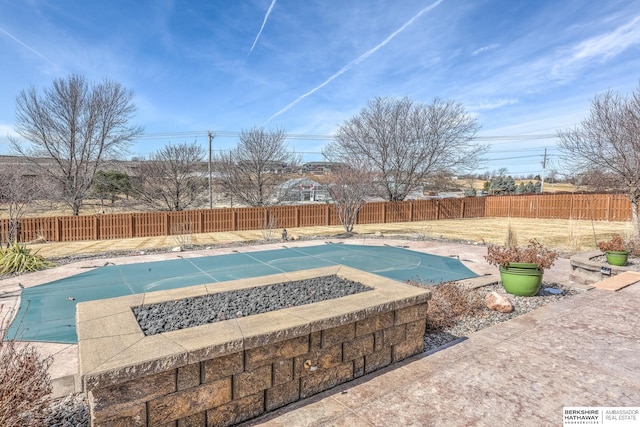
[{"x": 582, "y": 351}]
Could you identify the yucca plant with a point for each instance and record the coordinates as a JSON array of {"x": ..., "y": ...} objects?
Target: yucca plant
[{"x": 18, "y": 259}]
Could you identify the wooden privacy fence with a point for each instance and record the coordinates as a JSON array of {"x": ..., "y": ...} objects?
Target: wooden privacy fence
[
  {"x": 597, "y": 207},
  {"x": 606, "y": 207}
]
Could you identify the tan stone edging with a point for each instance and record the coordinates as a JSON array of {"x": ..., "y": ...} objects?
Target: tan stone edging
[
  {"x": 113, "y": 349},
  {"x": 586, "y": 272}
]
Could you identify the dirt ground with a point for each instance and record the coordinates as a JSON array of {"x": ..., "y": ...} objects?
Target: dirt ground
[{"x": 566, "y": 236}]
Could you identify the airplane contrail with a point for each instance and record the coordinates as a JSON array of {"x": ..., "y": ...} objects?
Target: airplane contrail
[
  {"x": 26, "y": 46},
  {"x": 264, "y": 22},
  {"x": 356, "y": 61}
]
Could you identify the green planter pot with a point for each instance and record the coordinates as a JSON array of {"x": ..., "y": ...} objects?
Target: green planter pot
[
  {"x": 618, "y": 258},
  {"x": 521, "y": 281}
]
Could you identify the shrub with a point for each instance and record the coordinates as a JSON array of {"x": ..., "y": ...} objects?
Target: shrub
[
  {"x": 633, "y": 246},
  {"x": 616, "y": 244},
  {"x": 449, "y": 303},
  {"x": 18, "y": 259},
  {"x": 534, "y": 253},
  {"x": 24, "y": 383}
]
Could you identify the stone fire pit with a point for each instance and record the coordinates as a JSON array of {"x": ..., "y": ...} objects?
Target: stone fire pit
[{"x": 229, "y": 371}]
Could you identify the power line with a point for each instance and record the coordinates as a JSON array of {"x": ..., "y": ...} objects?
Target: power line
[
  {"x": 315, "y": 137},
  {"x": 517, "y": 157},
  {"x": 225, "y": 134}
]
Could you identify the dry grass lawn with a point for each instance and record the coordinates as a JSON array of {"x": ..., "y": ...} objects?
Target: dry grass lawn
[
  {"x": 568, "y": 236},
  {"x": 478, "y": 184}
]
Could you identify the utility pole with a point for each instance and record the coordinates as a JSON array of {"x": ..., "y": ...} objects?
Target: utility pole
[
  {"x": 211, "y": 136},
  {"x": 544, "y": 165}
]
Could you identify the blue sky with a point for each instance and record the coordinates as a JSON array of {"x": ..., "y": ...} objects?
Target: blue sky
[{"x": 523, "y": 68}]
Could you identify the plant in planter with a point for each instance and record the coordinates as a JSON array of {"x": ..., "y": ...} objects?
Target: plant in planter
[
  {"x": 521, "y": 268},
  {"x": 615, "y": 250}
]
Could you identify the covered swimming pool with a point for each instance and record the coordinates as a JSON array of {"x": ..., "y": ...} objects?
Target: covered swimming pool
[{"x": 47, "y": 312}]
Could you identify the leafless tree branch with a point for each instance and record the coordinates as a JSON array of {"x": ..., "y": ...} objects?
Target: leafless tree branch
[
  {"x": 252, "y": 171},
  {"x": 349, "y": 187},
  {"x": 404, "y": 142},
  {"x": 21, "y": 189},
  {"x": 608, "y": 141},
  {"x": 173, "y": 178},
  {"x": 72, "y": 128}
]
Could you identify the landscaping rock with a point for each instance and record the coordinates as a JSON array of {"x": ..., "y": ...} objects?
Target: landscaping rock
[
  {"x": 194, "y": 311},
  {"x": 485, "y": 318},
  {"x": 176, "y": 249},
  {"x": 498, "y": 302}
]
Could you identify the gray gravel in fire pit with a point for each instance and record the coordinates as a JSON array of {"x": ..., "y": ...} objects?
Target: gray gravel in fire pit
[{"x": 195, "y": 311}]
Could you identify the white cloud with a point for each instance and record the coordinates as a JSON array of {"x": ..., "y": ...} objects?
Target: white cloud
[
  {"x": 492, "y": 104},
  {"x": 485, "y": 48},
  {"x": 610, "y": 44},
  {"x": 599, "y": 48}
]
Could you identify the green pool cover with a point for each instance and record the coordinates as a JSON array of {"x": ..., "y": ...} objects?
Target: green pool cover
[{"x": 47, "y": 312}]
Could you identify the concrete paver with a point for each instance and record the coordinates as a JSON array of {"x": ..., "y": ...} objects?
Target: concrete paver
[{"x": 618, "y": 281}]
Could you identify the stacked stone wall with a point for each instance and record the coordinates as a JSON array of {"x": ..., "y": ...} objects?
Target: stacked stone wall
[{"x": 235, "y": 387}]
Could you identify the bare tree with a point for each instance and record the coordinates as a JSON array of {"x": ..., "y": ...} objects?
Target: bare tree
[
  {"x": 598, "y": 181},
  {"x": 19, "y": 191},
  {"x": 405, "y": 142},
  {"x": 71, "y": 129},
  {"x": 608, "y": 140},
  {"x": 253, "y": 170},
  {"x": 552, "y": 176},
  {"x": 500, "y": 172},
  {"x": 349, "y": 186},
  {"x": 173, "y": 178}
]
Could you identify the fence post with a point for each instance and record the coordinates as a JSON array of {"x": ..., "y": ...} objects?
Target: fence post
[
  {"x": 201, "y": 222},
  {"x": 234, "y": 220},
  {"x": 96, "y": 224},
  {"x": 437, "y": 210},
  {"x": 326, "y": 214},
  {"x": 571, "y": 215},
  {"x": 131, "y": 226},
  {"x": 57, "y": 230},
  {"x": 608, "y": 207},
  {"x": 411, "y": 211},
  {"x": 384, "y": 212},
  {"x": 265, "y": 215},
  {"x": 462, "y": 209},
  {"x": 166, "y": 224},
  {"x": 297, "y": 224}
]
